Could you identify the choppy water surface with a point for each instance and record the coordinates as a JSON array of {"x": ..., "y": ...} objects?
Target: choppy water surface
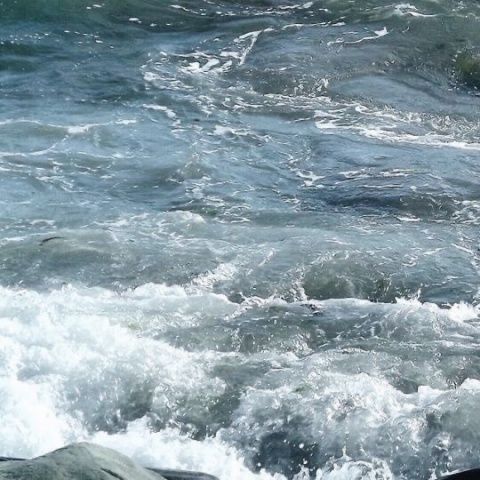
[{"x": 241, "y": 236}]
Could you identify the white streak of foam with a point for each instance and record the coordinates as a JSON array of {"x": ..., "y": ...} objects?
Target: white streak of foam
[
  {"x": 385, "y": 133},
  {"x": 407, "y": 9},
  {"x": 168, "y": 112},
  {"x": 223, "y": 272},
  {"x": 253, "y": 36},
  {"x": 378, "y": 34}
]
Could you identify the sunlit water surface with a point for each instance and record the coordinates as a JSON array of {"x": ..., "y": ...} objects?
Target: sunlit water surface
[{"x": 241, "y": 236}]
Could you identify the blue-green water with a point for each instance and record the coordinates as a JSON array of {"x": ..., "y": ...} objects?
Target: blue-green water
[{"x": 242, "y": 236}]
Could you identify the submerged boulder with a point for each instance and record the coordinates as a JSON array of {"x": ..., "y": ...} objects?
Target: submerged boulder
[
  {"x": 85, "y": 461},
  {"x": 467, "y": 66},
  {"x": 473, "y": 474}
]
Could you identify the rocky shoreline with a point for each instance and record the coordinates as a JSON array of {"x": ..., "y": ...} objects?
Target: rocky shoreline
[{"x": 86, "y": 461}]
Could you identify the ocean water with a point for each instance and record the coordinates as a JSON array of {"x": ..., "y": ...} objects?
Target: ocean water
[{"x": 242, "y": 236}]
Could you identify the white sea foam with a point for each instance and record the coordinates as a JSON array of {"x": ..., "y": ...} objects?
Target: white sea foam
[
  {"x": 171, "y": 449},
  {"x": 68, "y": 353},
  {"x": 74, "y": 357}
]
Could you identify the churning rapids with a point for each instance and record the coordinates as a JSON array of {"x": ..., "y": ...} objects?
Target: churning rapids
[{"x": 242, "y": 237}]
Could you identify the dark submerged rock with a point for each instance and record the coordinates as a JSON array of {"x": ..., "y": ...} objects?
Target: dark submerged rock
[
  {"x": 473, "y": 474},
  {"x": 278, "y": 453},
  {"x": 467, "y": 66},
  {"x": 85, "y": 461}
]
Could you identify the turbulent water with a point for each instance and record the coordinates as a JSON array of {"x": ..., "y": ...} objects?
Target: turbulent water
[{"x": 242, "y": 236}]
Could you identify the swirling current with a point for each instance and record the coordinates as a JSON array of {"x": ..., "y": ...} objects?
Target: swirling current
[{"x": 242, "y": 236}]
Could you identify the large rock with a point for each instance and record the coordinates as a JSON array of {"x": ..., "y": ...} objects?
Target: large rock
[{"x": 85, "y": 461}]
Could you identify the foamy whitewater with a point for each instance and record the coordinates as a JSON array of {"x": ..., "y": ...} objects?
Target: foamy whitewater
[{"x": 242, "y": 237}]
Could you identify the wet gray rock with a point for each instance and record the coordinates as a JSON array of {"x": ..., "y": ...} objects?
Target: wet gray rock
[
  {"x": 78, "y": 461},
  {"x": 85, "y": 461}
]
